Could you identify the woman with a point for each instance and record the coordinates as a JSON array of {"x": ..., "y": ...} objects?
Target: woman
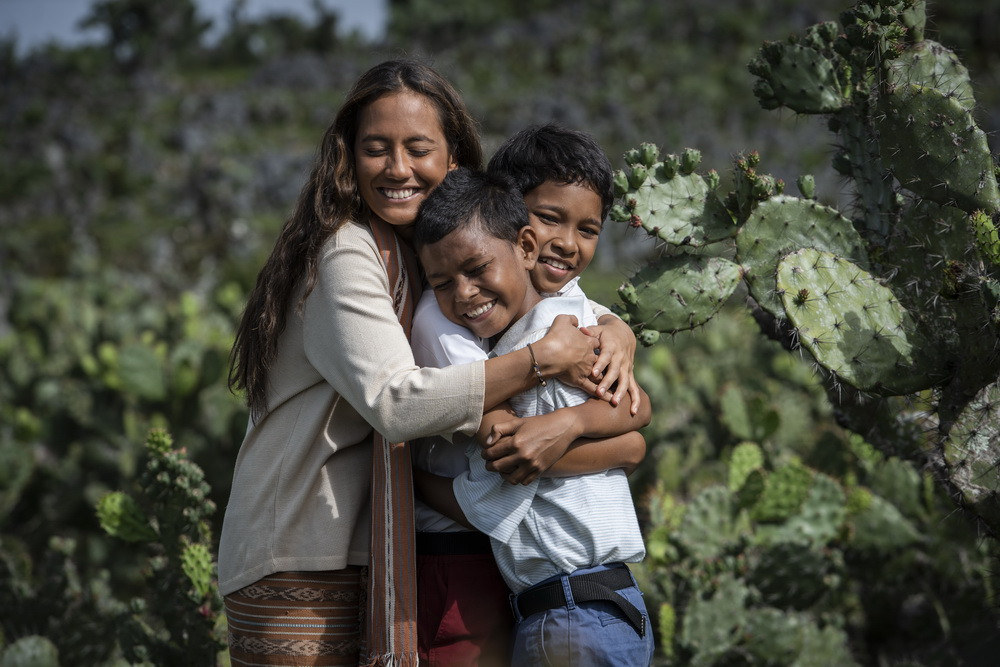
[{"x": 322, "y": 354}]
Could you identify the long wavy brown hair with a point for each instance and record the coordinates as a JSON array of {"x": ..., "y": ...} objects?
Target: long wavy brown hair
[{"x": 328, "y": 200}]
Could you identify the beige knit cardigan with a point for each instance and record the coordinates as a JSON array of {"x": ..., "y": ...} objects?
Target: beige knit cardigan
[{"x": 299, "y": 498}]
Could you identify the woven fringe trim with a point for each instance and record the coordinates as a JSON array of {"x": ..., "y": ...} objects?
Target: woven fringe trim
[{"x": 391, "y": 660}]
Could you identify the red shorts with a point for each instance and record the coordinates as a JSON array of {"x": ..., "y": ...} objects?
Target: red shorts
[{"x": 463, "y": 611}]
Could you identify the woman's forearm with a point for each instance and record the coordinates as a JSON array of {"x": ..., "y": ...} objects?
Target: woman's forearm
[{"x": 507, "y": 376}]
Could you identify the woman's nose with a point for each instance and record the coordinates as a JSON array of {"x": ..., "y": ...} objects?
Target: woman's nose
[{"x": 398, "y": 164}]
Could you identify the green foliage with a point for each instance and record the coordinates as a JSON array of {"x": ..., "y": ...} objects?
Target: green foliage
[
  {"x": 31, "y": 651},
  {"x": 87, "y": 367},
  {"x": 177, "y": 620},
  {"x": 783, "y": 577}
]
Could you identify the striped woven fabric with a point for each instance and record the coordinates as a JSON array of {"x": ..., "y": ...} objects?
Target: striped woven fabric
[
  {"x": 391, "y": 619},
  {"x": 297, "y": 618}
]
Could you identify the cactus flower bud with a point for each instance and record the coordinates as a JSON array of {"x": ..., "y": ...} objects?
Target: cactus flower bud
[
  {"x": 620, "y": 182},
  {"x": 648, "y": 154},
  {"x": 637, "y": 176},
  {"x": 690, "y": 159},
  {"x": 807, "y": 185}
]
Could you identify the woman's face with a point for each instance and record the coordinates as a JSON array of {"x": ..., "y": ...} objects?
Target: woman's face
[{"x": 400, "y": 154}]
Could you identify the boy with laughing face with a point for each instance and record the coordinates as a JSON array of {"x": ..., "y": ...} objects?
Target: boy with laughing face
[{"x": 561, "y": 543}]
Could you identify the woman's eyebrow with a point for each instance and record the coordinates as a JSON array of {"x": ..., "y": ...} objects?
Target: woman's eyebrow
[{"x": 408, "y": 140}]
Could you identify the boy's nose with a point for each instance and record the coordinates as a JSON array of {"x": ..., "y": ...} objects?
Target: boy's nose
[
  {"x": 466, "y": 289},
  {"x": 567, "y": 244}
]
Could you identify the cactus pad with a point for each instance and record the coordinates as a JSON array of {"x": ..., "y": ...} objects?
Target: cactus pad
[
  {"x": 677, "y": 293},
  {"x": 972, "y": 452},
  {"x": 712, "y": 625},
  {"x": 791, "y": 576},
  {"x": 852, "y": 325},
  {"x": 196, "y": 563},
  {"x": 783, "y": 224},
  {"x": 784, "y": 492},
  {"x": 930, "y": 64},
  {"x": 881, "y": 528},
  {"x": 799, "y": 77},
  {"x": 672, "y": 202},
  {"x": 818, "y": 520},
  {"x": 746, "y": 458},
  {"x": 122, "y": 517},
  {"x": 934, "y": 148},
  {"x": 708, "y": 524},
  {"x": 987, "y": 236}
]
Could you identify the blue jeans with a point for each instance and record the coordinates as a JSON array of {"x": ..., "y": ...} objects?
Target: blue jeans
[{"x": 588, "y": 634}]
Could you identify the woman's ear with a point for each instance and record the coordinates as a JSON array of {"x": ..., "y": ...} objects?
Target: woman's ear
[
  {"x": 527, "y": 244},
  {"x": 452, "y": 162}
]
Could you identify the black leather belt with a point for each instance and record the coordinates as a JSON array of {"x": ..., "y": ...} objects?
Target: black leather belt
[{"x": 590, "y": 587}]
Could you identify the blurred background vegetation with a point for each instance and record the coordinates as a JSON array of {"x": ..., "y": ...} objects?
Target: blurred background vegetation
[{"x": 144, "y": 180}]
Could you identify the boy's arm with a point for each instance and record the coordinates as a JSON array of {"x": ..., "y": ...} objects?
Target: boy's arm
[
  {"x": 521, "y": 449},
  {"x": 437, "y": 492},
  {"x": 587, "y": 455}
]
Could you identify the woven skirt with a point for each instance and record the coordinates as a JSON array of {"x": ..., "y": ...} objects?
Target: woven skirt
[{"x": 298, "y": 618}]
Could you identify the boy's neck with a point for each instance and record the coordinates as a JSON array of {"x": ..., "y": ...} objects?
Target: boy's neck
[{"x": 531, "y": 299}]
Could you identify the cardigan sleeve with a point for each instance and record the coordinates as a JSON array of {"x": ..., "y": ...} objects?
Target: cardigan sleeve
[{"x": 354, "y": 340}]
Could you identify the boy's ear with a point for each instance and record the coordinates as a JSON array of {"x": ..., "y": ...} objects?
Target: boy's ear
[{"x": 527, "y": 243}]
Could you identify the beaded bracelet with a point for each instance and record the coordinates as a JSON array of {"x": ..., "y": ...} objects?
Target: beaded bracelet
[{"x": 534, "y": 366}]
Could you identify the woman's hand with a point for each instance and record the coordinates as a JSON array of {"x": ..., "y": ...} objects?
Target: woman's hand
[
  {"x": 569, "y": 354},
  {"x": 616, "y": 362},
  {"x": 523, "y": 448}
]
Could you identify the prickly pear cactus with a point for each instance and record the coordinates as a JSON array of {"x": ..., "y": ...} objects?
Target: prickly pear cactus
[
  {"x": 795, "y": 571},
  {"x": 899, "y": 296},
  {"x": 170, "y": 513}
]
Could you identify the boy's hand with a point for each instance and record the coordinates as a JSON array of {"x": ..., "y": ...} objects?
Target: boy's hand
[
  {"x": 521, "y": 449},
  {"x": 616, "y": 361}
]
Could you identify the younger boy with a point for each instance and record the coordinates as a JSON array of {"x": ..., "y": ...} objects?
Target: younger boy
[{"x": 561, "y": 543}]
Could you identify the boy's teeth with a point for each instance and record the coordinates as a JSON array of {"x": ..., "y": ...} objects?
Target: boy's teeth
[
  {"x": 473, "y": 314},
  {"x": 556, "y": 263},
  {"x": 398, "y": 194}
]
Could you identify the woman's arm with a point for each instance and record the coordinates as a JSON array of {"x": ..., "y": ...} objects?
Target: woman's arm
[
  {"x": 353, "y": 340},
  {"x": 565, "y": 352},
  {"x": 616, "y": 363}
]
